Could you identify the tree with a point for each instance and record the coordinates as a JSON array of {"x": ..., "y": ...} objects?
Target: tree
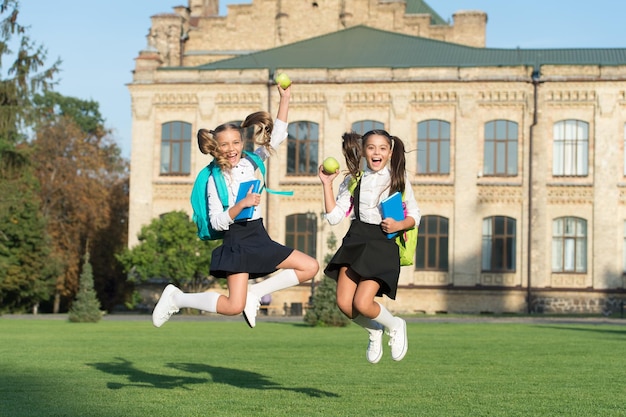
[
  {"x": 169, "y": 249},
  {"x": 109, "y": 277},
  {"x": 27, "y": 270},
  {"x": 86, "y": 307},
  {"x": 324, "y": 310},
  {"x": 26, "y": 263},
  {"x": 80, "y": 170}
]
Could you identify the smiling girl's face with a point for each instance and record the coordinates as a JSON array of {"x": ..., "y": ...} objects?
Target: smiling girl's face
[
  {"x": 377, "y": 152},
  {"x": 230, "y": 145}
]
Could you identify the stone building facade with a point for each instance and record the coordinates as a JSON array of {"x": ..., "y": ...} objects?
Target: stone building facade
[{"x": 517, "y": 161}]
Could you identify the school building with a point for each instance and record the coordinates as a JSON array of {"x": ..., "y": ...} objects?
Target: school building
[{"x": 517, "y": 155}]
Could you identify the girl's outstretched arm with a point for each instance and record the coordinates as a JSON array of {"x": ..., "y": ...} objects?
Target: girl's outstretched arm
[{"x": 283, "y": 105}]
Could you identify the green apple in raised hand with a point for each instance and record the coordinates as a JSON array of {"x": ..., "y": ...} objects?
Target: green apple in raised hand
[
  {"x": 330, "y": 165},
  {"x": 283, "y": 80}
]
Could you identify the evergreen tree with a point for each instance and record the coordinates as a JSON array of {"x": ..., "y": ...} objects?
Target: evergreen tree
[
  {"x": 324, "y": 310},
  {"x": 26, "y": 264},
  {"x": 27, "y": 271},
  {"x": 86, "y": 307}
]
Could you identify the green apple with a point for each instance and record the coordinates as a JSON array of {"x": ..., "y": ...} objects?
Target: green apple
[
  {"x": 283, "y": 80},
  {"x": 330, "y": 165}
]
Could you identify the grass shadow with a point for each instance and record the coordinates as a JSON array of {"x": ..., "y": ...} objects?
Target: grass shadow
[
  {"x": 246, "y": 379},
  {"x": 234, "y": 377},
  {"x": 139, "y": 378}
]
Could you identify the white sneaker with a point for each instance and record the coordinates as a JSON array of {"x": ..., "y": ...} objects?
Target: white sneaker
[
  {"x": 253, "y": 303},
  {"x": 398, "y": 341},
  {"x": 165, "y": 307},
  {"x": 375, "y": 346}
]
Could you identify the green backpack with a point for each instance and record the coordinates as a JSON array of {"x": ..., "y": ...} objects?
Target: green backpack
[{"x": 407, "y": 241}]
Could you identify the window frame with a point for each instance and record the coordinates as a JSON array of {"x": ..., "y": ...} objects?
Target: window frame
[
  {"x": 310, "y": 143},
  {"x": 433, "y": 239},
  {"x": 570, "y": 152},
  {"x": 497, "y": 142},
  {"x": 308, "y": 232},
  {"x": 180, "y": 139},
  {"x": 434, "y": 141},
  {"x": 492, "y": 239},
  {"x": 569, "y": 248}
]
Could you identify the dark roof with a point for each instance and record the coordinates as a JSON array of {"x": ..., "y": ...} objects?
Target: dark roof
[
  {"x": 365, "y": 47},
  {"x": 420, "y": 7}
]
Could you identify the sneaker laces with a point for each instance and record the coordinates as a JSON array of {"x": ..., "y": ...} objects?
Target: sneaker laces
[
  {"x": 392, "y": 337},
  {"x": 374, "y": 340},
  {"x": 169, "y": 313}
]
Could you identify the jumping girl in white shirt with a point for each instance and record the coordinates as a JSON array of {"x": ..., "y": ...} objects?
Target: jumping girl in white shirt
[
  {"x": 368, "y": 264},
  {"x": 247, "y": 251}
]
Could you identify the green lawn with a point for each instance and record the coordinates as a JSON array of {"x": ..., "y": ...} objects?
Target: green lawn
[{"x": 223, "y": 368}]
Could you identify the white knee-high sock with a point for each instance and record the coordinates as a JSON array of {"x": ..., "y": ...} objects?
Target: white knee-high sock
[
  {"x": 284, "y": 279},
  {"x": 206, "y": 301},
  {"x": 386, "y": 318},
  {"x": 368, "y": 324}
]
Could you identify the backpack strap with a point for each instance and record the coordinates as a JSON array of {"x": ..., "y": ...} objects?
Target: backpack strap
[
  {"x": 354, "y": 182},
  {"x": 220, "y": 184},
  {"x": 257, "y": 162}
]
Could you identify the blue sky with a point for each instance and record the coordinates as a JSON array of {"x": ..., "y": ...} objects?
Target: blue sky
[{"x": 98, "y": 40}]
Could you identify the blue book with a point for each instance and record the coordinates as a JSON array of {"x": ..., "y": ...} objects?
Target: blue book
[
  {"x": 392, "y": 207},
  {"x": 244, "y": 187}
]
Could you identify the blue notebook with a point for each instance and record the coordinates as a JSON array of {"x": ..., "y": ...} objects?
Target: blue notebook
[
  {"x": 392, "y": 207},
  {"x": 244, "y": 187}
]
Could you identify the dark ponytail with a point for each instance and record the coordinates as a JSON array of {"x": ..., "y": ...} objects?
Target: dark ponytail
[
  {"x": 398, "y": 166},
  {"x": 351, "y": 148}
]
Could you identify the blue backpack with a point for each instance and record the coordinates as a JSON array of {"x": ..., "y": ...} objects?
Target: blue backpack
[{"x": 200, "y": 201}]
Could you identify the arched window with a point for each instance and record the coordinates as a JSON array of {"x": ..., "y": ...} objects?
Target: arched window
[
  {"x": 302, "y": 148},
  {"x": 433, "y": 147},
  {"x": 571, "y": 148},
  {"x": 498, "y": 244},
  {"x": 432, "y": 248},
  {"x": 301, "y": 233},
  {"x": 175, "y": 148},
  {"x": 500, "y": 155},
  {"x": 569, "y": 245},
  {"x": 364, "y": 126}
]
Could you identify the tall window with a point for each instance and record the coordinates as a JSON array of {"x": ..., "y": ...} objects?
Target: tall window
[
  {"x": 571, "y": 148},
  {"x": 500, "y": 148},
  {"x": 175, "y": 148},
  {"x": 569, "y": 245},
  {"x": 246, "y": 135},
  {"x": 302, "y": 148},
  {"x": 498, "y": 244},
  {"x": 432, "y": 248},
  {"x": 302, "y": 233},
  {"x": 364, "y": 126},
  {"x": 433, "y": 147}
]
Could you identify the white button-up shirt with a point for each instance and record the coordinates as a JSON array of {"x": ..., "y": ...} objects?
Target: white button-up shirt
[
  {"x": 242, "y": 172},
  {"x": 374, "y": 189}
]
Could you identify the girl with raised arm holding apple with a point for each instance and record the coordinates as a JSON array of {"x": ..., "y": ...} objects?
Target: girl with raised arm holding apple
[
  {"x": 367, "y": 264},
  {"x": 247, "y": 250}
]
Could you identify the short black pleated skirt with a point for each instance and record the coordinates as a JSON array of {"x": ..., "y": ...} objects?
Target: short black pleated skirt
[
  {"x": 247, "y": 248},
  {"x": 367, "y": 251}
]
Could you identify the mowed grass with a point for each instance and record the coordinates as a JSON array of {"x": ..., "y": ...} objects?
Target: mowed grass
[{"x": 223, "y": 368}]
